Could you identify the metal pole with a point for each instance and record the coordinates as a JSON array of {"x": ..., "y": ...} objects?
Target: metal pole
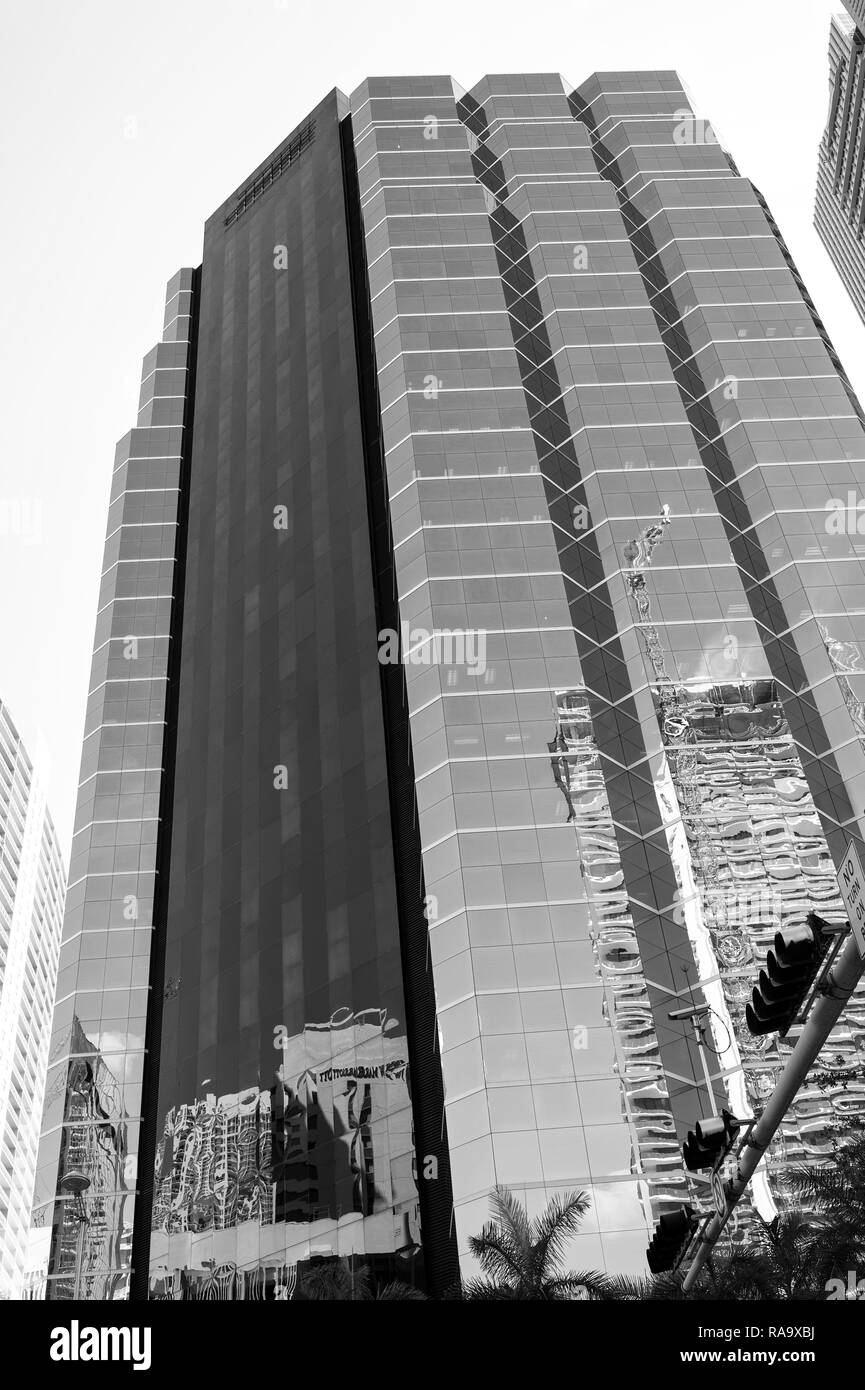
[
  {"x": 698, "y": 1039},
  {"x": 835, "y": 992}
]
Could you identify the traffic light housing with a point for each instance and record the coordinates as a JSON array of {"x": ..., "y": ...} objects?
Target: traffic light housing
[
  {"x": 788, "y": 975},
  {"x": 671, "y": 1239},
  {"x": 712, "y": 1140}
]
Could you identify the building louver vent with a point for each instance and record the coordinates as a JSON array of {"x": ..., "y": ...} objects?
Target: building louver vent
[{"x": 293, "y": 150}]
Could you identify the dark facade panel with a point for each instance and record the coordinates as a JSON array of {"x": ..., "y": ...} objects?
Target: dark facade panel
[{"x": 284, "y": 1106}]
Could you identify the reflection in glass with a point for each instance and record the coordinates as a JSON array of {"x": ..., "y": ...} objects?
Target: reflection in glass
[{"x": 326, "y": 1149}]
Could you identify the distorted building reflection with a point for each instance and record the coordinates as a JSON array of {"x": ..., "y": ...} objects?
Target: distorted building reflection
[
  {"x": 91, "y": 1235},
  {"x": 320, "y": 1164}
]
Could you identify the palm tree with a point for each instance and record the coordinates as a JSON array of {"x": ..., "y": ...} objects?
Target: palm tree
[
  {"x": 786, "y": 1258},
  {"x": 522, "y": 1259},
  {"x": 339, "y": 1282},
  {"x": 793, "y": 1254},
  {"x": 836, "y": 1191},
  {"x": 740, "y": 1275}
]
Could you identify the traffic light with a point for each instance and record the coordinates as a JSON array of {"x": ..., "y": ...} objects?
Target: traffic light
[
  {"x": 787, "y": 977},
  {"x": 710, "y": 1142},
  {"x": 671, "y": 1239}
]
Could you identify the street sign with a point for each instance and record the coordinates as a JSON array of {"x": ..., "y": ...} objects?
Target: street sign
[
  {"x": 851, "y": 882},
  {"x": 719, "y": 1196}
]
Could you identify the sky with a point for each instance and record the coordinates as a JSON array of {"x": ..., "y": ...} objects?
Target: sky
[{"x": 123, "y": 125}]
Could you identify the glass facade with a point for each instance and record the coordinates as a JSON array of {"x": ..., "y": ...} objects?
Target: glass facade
[
  {"x": 611, "y": 425},
  {"x": 839, "y": 213},
  {"x": 32, "y": 877},
  {"x": 515, "y": 697},
  {"x": 84, "y": 1200},
  {"x": 284, "y": 1114}
]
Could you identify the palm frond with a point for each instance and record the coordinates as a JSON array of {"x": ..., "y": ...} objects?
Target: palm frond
[
  {"x": 837, "y": 1187},
  {"x": 829, "y": 1189},
  {"x": 326, "y": 1283},
  {"x": 512, "y": 1217},
  {"x": 498, "y": 1255},
  {"x": 589, "y": 1282},
  {"x": 631, "y": 1289},
  {"x": 397, "y": 1291},
  {"x": 487, "y": 1291},
  {"x": 561, "y": 1219}
]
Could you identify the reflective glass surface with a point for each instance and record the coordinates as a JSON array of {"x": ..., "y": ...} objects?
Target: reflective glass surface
[
  {"x": 88, "y": 1159},
  {"x": 611, "y": 426},
  {"x": 285, "y": 1128},
  {"x": 600, "y": 461}
]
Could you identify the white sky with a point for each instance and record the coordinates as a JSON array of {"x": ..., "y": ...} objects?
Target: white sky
[{"x": 95, "y": 222}]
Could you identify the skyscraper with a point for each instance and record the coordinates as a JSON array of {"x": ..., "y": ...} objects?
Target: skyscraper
[
  {"x": 31, "y": 914},
  {"x": 840, "y": 208},
  {"x": 478, "y": 679}
]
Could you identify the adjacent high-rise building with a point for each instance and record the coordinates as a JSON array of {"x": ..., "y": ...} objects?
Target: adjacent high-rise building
[
  {"x": 840, "y": 209},
  {"x": 32, "y": 880},
  {"x": 478, "y": 679}
]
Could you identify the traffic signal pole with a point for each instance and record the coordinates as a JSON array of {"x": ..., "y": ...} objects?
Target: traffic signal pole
[{"x": 834, "y": 994}]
